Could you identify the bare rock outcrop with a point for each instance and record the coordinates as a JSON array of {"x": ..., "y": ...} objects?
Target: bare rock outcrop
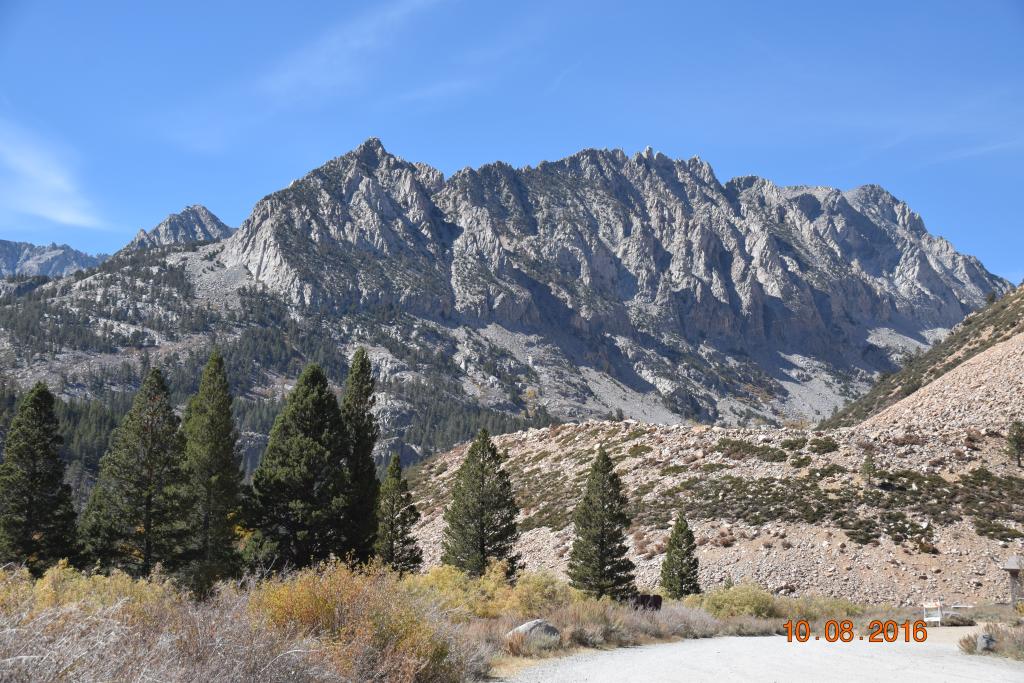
[
  {"x": 192, "y": 224},
  {"x": 54, "y": 260}
]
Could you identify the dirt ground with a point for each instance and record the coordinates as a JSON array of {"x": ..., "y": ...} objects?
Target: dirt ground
[{"x": 774, "y": 659}]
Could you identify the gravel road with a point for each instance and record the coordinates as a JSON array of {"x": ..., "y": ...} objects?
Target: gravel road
[{"x": 773, "y": 659}]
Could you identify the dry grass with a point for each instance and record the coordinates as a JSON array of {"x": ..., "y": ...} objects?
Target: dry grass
[
  {"x": 1009, "y": 641},
  {"x": 370, "y": 625},
  {"x": 605, "y": 624},
  {"x": 332, "y": 623},
  {"x": 55, "y": 629},
  {"x": 327, "y": 624},
  {"x": 490, "y": 608}
]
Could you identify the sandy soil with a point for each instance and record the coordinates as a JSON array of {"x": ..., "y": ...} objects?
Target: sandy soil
[{"x": 774, "y": 659}]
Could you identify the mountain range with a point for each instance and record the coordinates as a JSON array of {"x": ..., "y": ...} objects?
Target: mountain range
[
  {"x": 192, "y": 224},
  {"x": 54, "y": 260},
  {"x": 598, "y": 284}
]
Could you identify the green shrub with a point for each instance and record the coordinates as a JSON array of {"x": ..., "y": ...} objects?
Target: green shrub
[
  {"x": 794, "y": 444},
  {"x": 829, "y": 470},
  {"x": 753, "y": 601},
  {"x": 744, "y": 600},
  {"x": 738, "y": 449},
  {"x": 638, "y": 449},
  {"x": 815, "y": 607},
  {"x": 825, "y": 444}
]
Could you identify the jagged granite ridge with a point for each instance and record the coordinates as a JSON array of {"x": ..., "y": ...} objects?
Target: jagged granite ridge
[
  {"x": 194, "y": 223},
  {"x": 643, "y": 267},
  {"x": 53, "y": 260}
]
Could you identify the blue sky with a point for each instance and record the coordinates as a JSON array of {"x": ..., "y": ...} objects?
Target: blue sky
[{"x": 113, "y": 115}]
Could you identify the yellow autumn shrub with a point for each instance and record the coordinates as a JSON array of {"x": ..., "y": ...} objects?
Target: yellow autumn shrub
[
  {"x": 372, "y": 627},
  {"x": 15, "y": 590},
  {"x": 537, "y": 593},
  {"x": 742, "y": 600}
]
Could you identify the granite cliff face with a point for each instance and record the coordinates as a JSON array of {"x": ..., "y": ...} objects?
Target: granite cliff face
[
  {"x": 194, "y": 223},
  {"x": 54, "y": 260},
  {"x": 499, "y": 296},
  {"x": 643, "y": 270}
]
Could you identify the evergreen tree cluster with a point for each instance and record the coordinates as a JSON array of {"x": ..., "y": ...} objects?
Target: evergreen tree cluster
[
  {"x": 480, "y": 528},
  {"x": 170, "y": 492},
  {"x": 136, "y": 516}
]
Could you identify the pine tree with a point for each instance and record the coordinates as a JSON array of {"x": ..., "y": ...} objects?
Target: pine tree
[
  {"x": 868, "y": 469},
  {"x": 679, "y": 569},
  {"x": 214, "y": 466},
  {"x": 299, "y": 489},
  {"x": 480, "y": 522},
  {"x": 396, "y": 516},
  {"x": 1015, "y": 441},
  {"x": 598, "y": 564},
  {"x": 362, "y": 432},
  {"x": 37, "y": 519},
  {"x": 138, "y": 512}
]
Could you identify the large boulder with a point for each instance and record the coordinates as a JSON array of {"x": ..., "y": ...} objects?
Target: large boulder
[
  {"x": 536, "y": 634},
  {"x": 985, "y": 643}
]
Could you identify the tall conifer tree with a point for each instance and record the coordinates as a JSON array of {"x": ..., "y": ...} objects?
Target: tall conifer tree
[
  {"x": 214, "y": 467},
  {"x": 138, "y": 512},
  {"x": 299, "y": 489},
  {"x": 480, "y": 522},
  {"x": 679, "y": 569},
  {"x": 37, "y": 519},
  {"x": 362, "y": 433},
  {"x": 1015, "y": 441},
  {"x": 396, "y": 516},
  {"x": 598, "y": 564}
]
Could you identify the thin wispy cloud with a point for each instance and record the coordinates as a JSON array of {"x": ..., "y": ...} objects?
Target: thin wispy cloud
[
  {"x": 443, "y": 89},
  {"x": 37, "y": 181},
  {"x": 339, "y": 56},
  {"x": 981, "y": 150},
  {"x": 561, "y": 76}
]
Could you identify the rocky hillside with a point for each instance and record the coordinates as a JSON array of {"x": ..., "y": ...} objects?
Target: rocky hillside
[
  {"x": 999, "y": 321},
  {"x": 54, "y": 260},
  {"x": 194, "y": 223},
  {"x": 595, "y": 285},
  {"x": 789, "y": 510},
  {"x": 933, "y": 515},
  {"x": 984, "y": 392}
]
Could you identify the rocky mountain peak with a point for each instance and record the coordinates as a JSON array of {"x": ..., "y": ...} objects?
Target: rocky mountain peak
[
  {"x": 601, "y": 246},
  {"x": 194, "y": 223},
  {"x": 371, "y": 151},
  {"x": 354, "y": 211}
]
